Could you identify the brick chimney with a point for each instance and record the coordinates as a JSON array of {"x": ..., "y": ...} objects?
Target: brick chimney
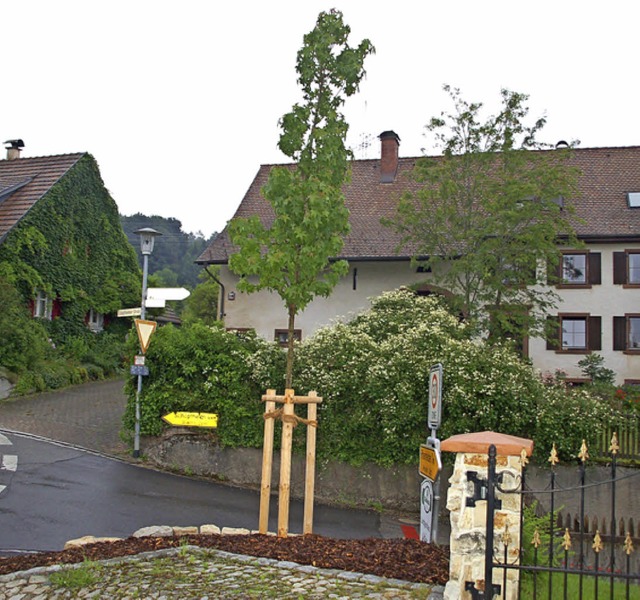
[
  {"x": 389, "y": 142},
  {"x": 14, "y": 148}
]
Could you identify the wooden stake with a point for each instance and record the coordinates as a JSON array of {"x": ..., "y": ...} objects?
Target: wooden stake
[
  {"x": 285, "y": 464},
  {"x": 267, "y": 464},
  {"x": 310, "y": 471}
]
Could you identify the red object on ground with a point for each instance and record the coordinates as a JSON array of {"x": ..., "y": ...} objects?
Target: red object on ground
[{"x": 409, "y": 532}]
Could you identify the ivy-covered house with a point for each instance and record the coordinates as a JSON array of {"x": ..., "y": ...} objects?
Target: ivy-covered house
[{"x": 61, "y": 242}]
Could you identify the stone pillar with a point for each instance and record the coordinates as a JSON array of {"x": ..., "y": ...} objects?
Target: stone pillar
[{"x": 468, "y": 523}]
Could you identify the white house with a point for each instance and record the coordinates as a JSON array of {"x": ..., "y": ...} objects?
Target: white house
[{"x": 599, "y": 306}]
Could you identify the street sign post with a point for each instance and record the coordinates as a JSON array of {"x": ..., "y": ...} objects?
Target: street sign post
[
  {"x": 130, "y": 312},
  {"x": 427, "y": 503},
  {"x": 435, "y": 397},
  {"x": 191, "y": 419}
]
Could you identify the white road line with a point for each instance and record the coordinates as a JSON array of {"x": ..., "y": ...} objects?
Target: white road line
[
  {"x": 4, "y": 440},
  {"x": 9, "y": 462},
  {"x": 2, "y": 488}
]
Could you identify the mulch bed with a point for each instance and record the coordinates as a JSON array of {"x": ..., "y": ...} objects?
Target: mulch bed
[{"x": 407, "y": 559}]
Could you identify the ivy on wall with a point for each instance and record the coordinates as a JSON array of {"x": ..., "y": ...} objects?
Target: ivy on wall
[{"x": 71, "y": 245}]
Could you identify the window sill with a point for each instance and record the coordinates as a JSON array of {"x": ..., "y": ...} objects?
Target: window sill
[
  {"x": 636, "y": 352},
  {"x": 574, "y": 286},
  {"x": 573, "y": 351},
  {"x": 631, "y": 286}
]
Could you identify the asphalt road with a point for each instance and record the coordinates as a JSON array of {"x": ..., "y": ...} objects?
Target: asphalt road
[{"x": 58, "y": 492}]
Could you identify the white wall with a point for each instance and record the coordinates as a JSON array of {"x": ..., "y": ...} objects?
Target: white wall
[{"x": 265, "y": 312}]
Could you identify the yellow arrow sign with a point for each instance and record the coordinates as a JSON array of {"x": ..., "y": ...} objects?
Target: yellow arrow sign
[
  {"x": 145, "y": 329},
  {"x": 191, "y": 419}
]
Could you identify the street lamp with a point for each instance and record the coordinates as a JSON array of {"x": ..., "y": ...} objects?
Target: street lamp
[{"x": 147, "y": 241}]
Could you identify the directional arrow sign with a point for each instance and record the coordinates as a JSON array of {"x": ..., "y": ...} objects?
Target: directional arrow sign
[
  {"x": 130, "y": 312},
  {"x": 191, "y": 419},
  {"x": 167, "y": 294}
]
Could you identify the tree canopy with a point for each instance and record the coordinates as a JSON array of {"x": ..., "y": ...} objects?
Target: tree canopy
[
  {"x": 490, "y": 212},
  {"x": 291, "y": 255}
]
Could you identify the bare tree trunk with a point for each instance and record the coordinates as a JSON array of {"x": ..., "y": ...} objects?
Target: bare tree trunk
[{"x": 290, "y": 340}]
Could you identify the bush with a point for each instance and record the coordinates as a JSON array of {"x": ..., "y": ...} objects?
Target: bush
[{"x": 197, "y": 368}]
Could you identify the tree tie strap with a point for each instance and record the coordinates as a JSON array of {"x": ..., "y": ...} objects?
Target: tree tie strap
[{"x": 293, "y": 419}]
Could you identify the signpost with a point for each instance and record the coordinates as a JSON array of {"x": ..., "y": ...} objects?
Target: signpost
[
  {"x": 430, "y": 461},
  {"x": 191, "y": 419},
  {"x": 427, "y": 504}
]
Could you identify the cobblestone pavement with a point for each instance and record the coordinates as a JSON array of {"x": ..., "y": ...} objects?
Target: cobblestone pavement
[
  {"x": 87, "y": 415},
  {"x": 191, "y": 572}
]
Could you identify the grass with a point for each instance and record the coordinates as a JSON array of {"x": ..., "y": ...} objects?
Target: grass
[
  {"x": 72, "y": 578},
  {"x": 573, "y": 588}
]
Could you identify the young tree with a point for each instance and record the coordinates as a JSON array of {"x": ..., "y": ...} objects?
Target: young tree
[
  {"x": 489, "y": 213},
  {"x": 291, "y": 255}
]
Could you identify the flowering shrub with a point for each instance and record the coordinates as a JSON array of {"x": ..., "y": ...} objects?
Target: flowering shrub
[{"x": 373, "y": 376}]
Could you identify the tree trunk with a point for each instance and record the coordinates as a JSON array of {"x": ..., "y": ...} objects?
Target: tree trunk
[{"x": 290, "y": 340}]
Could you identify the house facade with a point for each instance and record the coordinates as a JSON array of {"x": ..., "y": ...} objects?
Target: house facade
[
  {"x": 61, "y": 243},
  {"x": 599, "y": 284}
]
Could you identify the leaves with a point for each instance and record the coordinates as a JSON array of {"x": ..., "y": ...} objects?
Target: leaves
[
  {"x": 292, "y": 254},
  {"x": 486, "y": 215}
]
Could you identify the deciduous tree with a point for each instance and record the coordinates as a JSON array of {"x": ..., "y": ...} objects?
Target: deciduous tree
[
  {"x": 291, "y": 255},
  {"x": 490, "y": 212}
]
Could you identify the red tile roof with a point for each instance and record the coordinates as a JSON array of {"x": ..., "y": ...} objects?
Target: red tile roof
[
  {"x": 23, "y": 181},
  {"x": 607, "y": 175}
]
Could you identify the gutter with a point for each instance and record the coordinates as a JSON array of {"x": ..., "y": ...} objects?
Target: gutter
[{"x": 222, "y": 292}]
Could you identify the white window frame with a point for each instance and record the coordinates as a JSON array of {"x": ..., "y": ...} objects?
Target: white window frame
[
  {"x": 95, "y": 321},
  {"x": 572, "y": 333},
  {"x": 42, "y": 306},
  {"x": 567, "y": 268}
]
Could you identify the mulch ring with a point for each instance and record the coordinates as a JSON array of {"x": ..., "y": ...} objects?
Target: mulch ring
[{"x": 406, "y": 559}]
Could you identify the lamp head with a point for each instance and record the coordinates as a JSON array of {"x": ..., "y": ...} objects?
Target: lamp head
[{"x": 147, "y": 239}]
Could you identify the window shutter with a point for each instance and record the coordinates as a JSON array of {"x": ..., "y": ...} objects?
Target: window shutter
[
  {"x": 595, "y": 271},
  {"x": 553, "y": 333},
  {"x": 619, "y": 333},
  {"x": 595, "y": 333},
  {"x": 619, "y": 267}
]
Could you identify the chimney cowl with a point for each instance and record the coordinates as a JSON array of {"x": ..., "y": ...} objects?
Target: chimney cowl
[
  {"x": 389, "y": 144},
  {"x": 13, "y": 149}
]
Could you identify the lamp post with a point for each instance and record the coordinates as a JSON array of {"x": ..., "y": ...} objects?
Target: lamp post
[{"x": 147, "y": 240}]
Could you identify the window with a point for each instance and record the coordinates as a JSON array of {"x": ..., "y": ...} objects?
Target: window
[
  {"x": 95, "y": 321},
  {"x": 626, "y": 267},
  {"x": 579, "y": 269},
  {"x": 282, "y": 336},
  {"x": 626, "y": 333},
  {"x": 42, "y": 306},
  {"x": 633, "y": 199},
  {"x": 578, "y": 333}
]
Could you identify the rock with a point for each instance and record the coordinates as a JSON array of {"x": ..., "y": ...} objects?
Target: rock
[
  {"x": 209, "y": 529},
  {"x": 178, "y": 531},
  {"x": 234, "y": 531},
  {"x": 154, "y": 531},
  {"x": 88, "y": 539}
]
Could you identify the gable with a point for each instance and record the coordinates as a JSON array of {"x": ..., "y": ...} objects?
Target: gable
[{"x": 24, "y": 181}]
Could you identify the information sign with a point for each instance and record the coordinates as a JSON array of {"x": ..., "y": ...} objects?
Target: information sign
[
  {"x": 429, "y": 462},
  {"x": 191, "y": 419},
  {"x": 426, "y": 510},
  {"x": 435, "y": 397},
  {"x": 139, "y": 370}
]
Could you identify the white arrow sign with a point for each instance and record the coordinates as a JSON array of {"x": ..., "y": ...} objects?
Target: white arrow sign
[{"x": 167, "y": 294}]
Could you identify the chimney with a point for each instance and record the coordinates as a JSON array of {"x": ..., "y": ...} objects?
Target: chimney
[
  {"x": 14, "y": 148},
  {"x": 389, "y": 142}
]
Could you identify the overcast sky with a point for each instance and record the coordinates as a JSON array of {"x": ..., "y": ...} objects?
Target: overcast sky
[{"x": 179, "y": 101}]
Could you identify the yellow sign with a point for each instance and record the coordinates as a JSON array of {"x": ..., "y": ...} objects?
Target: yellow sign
[
  {"x": 145, "y": 329},
  {"x": 429, "y": 466},
  {"x": 191, "y": 419}
]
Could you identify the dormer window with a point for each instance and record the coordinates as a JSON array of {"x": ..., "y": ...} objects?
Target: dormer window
[{"x": 633, "y": 199}]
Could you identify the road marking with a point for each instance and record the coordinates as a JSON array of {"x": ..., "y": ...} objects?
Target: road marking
[
  {"x": 2, "y": 488},
  {"x": 4, "y": 440},
  {"x": 9, "y": 462}
]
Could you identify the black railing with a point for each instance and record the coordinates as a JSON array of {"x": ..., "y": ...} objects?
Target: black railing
[{"x": 569, "y": 559}]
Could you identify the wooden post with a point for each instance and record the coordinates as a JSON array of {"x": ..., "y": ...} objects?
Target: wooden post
[
  {"x": 285, "y": 464},
  {"x": 310, "y": 471},
  {"x": 267, "y": 464}
]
